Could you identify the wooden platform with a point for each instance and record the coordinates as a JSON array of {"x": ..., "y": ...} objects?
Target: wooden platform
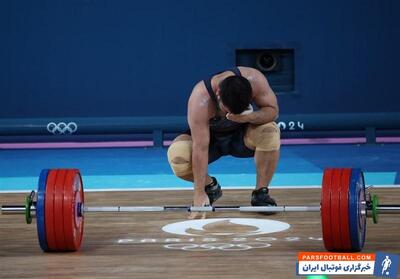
[{"x": 133, "y": 245}]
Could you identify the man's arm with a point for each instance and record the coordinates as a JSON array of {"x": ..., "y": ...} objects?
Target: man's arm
[
  {"x": 198, "y": 122},
  {"x": 264, "y": 97}
]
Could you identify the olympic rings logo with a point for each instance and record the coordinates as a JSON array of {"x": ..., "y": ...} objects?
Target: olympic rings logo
[
  {"x": 62, "y": 128},
  {"x": 216, "y": 246}
]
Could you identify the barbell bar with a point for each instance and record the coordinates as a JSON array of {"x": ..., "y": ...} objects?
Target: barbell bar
[
  {"x": 20, "y": 209},
  {"x": 59, "y": 209}
]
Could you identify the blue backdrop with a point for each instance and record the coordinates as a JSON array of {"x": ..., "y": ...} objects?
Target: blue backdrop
[{"x": 106, "y": 58}]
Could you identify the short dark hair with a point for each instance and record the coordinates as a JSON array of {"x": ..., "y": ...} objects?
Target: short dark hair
[{"x": 235, "y": 93}]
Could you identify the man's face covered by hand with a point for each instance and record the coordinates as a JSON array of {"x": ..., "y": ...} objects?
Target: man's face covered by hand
[{"x": 241, "y": 118}]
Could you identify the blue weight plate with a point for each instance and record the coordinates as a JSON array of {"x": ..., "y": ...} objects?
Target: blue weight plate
[
  {"x": 357, "y": 210},
  {"x": 40, "y": 210}
]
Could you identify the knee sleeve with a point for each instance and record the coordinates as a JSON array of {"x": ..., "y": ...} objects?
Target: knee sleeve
[
  {"x": 266, "y": 137},
  {"x": 180, "y": 158}
]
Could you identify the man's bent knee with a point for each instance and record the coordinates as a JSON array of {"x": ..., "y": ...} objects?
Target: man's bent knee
[
  {"x": 266, "y": 137},
  {"x": 180, "y": 158}
]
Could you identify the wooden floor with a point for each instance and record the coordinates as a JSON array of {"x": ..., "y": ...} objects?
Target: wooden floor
[{"x": 135, "y": 246}]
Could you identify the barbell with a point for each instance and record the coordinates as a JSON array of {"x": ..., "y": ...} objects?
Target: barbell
[{"x": 59, "y": 209}]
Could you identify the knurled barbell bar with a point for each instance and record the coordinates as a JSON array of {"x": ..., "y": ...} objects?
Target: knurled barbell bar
[{"x": 59, "y": 209}]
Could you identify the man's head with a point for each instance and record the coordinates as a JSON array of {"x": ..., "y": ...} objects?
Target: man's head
[{"x": 235, "y": 93}]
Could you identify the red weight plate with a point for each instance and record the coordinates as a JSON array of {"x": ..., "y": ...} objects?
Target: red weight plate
[
  {"x": 58, "y": 208},
  {"x": 335, "y": 208},
  {"x": 326, "y": 209},
  {"x": 69, "y": 218},
  {"x": 73, "y": 223},
  {"x": 344, "y": 209},
  {"x": 78, "y": 202},
  {"x": 49, "y": 210}
]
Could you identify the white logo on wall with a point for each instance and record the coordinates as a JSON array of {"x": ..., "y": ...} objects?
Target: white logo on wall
[{"x": 62, "y": 128}]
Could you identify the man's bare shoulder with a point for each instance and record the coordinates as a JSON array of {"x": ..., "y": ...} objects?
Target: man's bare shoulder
[
  {"x": 250, "y": 73},
  {"x": 244, "y": 69},
  {"x": 199, "y": 88},
  {"x": 199, "y": 103},
  {"x": 199, "y": 96}
]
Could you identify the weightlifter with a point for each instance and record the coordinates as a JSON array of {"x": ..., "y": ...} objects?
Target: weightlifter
[{"x": 222, "y": 122}]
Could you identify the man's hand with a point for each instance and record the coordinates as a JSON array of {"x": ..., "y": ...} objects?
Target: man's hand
[
  {"x": 200, "y": 198},
  {"x": 240, "y": 118}
]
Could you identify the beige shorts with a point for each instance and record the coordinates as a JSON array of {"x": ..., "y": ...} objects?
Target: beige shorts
[{"x": 241, "y": 143}]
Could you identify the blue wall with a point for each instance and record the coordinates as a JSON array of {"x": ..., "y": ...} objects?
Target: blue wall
[{"x": 107, "y": 58}]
